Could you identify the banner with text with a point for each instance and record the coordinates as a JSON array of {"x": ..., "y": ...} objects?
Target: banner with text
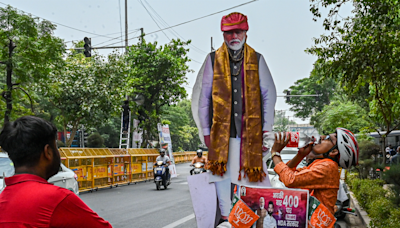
[
  {"x": 165, "y": 138},
  {"x": 276, "y": 206}
]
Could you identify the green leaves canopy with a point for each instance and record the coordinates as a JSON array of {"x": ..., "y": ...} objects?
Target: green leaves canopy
[
  {"x": 29, "y": 53},
  {"x": 363, "y": 53},
  {"x": 158, "y": 74},
  {"x": 88, "y": 90}
]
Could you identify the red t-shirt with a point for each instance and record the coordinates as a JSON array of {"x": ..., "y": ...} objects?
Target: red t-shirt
[{"x": 30, "y": 201}]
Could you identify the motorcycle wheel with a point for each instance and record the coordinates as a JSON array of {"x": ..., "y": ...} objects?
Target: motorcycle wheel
[{"x": 158, "y": 185}]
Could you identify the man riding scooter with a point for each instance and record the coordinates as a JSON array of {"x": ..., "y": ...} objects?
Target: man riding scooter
[
  {"x": 166, "y": 161},
  {"x": 198, "y": 159}
]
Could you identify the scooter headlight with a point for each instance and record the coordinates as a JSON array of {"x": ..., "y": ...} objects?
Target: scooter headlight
[{"x": 197, "y": 165}]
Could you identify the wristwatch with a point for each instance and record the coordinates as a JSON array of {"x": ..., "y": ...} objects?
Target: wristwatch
[{"x": 275, "y": 154}]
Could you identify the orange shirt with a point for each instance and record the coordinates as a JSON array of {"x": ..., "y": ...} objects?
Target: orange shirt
[{"x": 321, "y": 178}]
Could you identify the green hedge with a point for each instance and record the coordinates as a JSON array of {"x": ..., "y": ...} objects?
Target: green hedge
[{"x": 376, "y": 201}]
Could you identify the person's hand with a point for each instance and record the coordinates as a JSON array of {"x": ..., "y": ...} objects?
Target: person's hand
[
  {"x": 304, "y": 151},
  {"x": 207, "y": 140},
  {"x": 281, "y": 140}
]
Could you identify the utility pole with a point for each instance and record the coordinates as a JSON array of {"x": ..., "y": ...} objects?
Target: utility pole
[
  {"x": 141, "y": 35},
  {"x": 212, "y": 48},
  {"x": 126, "y": 25}
]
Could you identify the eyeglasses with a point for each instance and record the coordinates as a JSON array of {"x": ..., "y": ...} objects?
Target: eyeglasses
[{"x": 330, "y": 139}]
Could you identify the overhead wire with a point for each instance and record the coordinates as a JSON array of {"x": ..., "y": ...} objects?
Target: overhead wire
[
  {"x": 160, "y": 28},
  {"x": 133, "y": 31},
  {"x": 195, "y": 19},
  {"x": 58, "y": 23},
  {"x": 173, "y": 31},
  {"x": 152, "y": 18}
]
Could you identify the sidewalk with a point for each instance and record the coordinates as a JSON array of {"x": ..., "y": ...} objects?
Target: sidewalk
[{"x": 353, "y": 221}]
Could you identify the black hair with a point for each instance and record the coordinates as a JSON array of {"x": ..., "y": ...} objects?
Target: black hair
[
  {"x": 126, "y": 102},
  {"x": 270, "y": 202},
  {"x": 25, "y": 138}
]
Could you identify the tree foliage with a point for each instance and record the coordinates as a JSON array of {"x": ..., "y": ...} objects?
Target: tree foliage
[
  {"x": 281, "y": 122},
  {"x": 362, "y": 51},
  {"x": 184, "y": 133},
  {"x": 305, "y": 107},
  {"x": 88, "y": 91},
  {"x": 158, "y": 73},
  {"x": 340, "y": 114},
  {"x": 95, "y": 140},
  {"x": 29, "y": 53}
]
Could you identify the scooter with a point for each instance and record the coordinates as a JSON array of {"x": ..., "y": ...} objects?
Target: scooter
[
  {"x": 345, "y": 210},
  {"x": 198, "y": 168},
  {"x": 161, "y": 176}
]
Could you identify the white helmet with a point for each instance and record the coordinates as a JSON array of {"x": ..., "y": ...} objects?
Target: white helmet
[{"x": 347, "y": 147}]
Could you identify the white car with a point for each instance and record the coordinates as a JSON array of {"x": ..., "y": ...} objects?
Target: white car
[
  {"x": 287, "y": 154},
  {"x": 65, "y": 177}
]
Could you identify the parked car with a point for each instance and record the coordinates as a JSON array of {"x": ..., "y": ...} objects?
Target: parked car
[{"x": 65, "y": 177}]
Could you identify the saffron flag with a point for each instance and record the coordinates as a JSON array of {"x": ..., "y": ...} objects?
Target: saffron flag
[
  {"x": 319, "y": 215},
  {"x": 242, "y": 216}
]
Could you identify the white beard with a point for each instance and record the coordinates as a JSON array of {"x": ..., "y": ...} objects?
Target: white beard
[{"x": 236, "y": 47}]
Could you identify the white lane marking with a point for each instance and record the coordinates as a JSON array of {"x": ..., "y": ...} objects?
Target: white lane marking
[
  {"x": 180, "y": 221},
  {"x": 184, "y": 182}
]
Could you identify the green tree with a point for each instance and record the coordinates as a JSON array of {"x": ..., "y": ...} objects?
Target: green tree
[
  {"x": 362, "y": 51},
  {"x": 88, "y": 91},
  {"x": 305, "y": 107},
  {"x": 95, "y": 140},
  {"x": 110, "y": 131},
  {"x": 340, "y": 114},
  {"x": 281, "y": 122},
  {"x": 158, "y": 73},
  {"x": 29, "y": 53},
  {"x": 184, "y": 133}
]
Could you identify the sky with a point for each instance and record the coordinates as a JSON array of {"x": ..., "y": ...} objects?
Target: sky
[{"x": 280, "y": 30}]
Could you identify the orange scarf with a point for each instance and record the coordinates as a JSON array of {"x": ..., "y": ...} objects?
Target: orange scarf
[{"x": 251, "y": 137}]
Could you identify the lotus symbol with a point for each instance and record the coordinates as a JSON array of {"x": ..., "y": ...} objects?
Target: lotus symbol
[
  {"x": 242, "y": 216},
  {"x": 324, "y": 219}
]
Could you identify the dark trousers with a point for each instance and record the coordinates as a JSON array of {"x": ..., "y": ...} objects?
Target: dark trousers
[{"x": 125, "y": 123}]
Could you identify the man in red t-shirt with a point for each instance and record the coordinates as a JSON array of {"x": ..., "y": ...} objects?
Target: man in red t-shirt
[{"x": 29, "y": 200}]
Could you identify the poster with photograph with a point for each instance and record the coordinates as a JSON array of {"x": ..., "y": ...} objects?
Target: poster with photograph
[{"x": 277, "y": 207}]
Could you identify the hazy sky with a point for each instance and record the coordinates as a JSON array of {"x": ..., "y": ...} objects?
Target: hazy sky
[{"x": 279, "y": 29}]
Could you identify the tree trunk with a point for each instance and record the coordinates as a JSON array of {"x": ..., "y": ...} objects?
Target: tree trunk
[
  {"x": 65, "y": 133},
  {"x": 72, "y": 135},
  {"x": 8, "y": 93}
]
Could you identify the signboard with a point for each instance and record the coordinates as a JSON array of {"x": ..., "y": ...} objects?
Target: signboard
[
  {"x": 137, "y": 134},
  {"x": 275, "y": 206},
  {"x": 149, "y": 166},
  {"x": 143, "y": 167},
  {"x": 165, "y": 138},
  {"x": 136, "y": 167}
]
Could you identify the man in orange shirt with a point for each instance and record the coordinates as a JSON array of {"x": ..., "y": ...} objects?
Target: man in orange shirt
[{"x": 321, "y": 177}]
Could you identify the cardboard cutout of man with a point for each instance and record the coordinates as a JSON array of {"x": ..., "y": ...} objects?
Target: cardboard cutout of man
[{"x": 233, "y": 103}]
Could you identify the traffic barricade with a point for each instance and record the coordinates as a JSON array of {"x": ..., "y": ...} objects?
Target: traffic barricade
[
  {"x": 151, "y": 154},
  {"x": 80, "y": 161},
  {"x": 179, "y": 157},
  {"x": 103, "y": 161},
  {"x": 138, "y": 165},
  {"x": 121, "y": 166}
]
